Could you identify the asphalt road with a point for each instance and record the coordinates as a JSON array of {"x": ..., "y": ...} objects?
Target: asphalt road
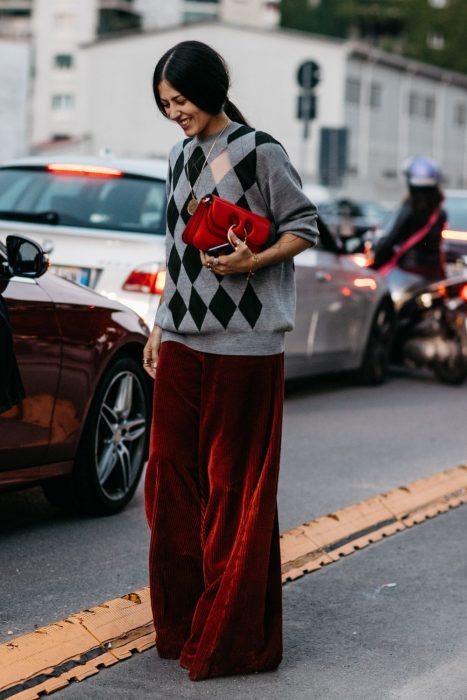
[{"x": 342, "y": 443}]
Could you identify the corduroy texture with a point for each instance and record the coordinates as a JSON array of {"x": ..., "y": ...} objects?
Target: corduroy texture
[{"x": 210, "y": 494}]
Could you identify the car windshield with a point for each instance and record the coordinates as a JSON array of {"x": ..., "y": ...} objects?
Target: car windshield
[
  {"x": 126, "y": 203},
  {"x": 373, "y": 210},
  {"x": 456, "y": 209}
]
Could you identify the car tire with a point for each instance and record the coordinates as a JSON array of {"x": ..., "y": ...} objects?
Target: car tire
[
  {"x": 113, "y": 447},
  {"x": 378, "y": 348}
]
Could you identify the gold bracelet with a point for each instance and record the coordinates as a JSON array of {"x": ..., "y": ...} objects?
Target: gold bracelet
[{"x": 253, "y": 268}]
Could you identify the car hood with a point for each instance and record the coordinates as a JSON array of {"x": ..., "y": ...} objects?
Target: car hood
[{"x": 64, "y": 292}]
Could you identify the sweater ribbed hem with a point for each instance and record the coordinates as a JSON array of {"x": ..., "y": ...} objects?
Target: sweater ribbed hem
[{"x": 228, "y": 343}]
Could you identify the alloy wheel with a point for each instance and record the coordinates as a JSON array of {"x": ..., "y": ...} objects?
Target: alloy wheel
[{"x": 120, "y": 435}]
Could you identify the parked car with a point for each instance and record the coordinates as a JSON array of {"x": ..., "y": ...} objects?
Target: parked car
[
  {"x": 345, "y": 315},
  {"x": 455, "y": 234},
  {"x": 102, "y": 222},
  {"x": 82, "y": 429}
]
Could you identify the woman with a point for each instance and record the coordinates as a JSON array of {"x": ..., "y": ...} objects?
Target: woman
[
  {"x": 413, "y": 244},
  {"x": 211, "y": 480}
]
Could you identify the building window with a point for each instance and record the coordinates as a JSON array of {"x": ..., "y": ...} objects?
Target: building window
[
  {"x": 63, "y": 102},
  {"x": 64, "y": 61},
  {"x": 414, "y": 102},
  {"x": 435, "y": 40},
  {"x": 352, "y": 91},
  {"x": 64, "y": 20},
  {"x": 429, "y": 108},
  {"x": 375, "y": 95},
  {"x": 460, "y": 114}
]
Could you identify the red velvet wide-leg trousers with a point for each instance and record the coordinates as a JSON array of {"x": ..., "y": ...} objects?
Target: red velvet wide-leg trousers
[{"x": 210, "y": 494}]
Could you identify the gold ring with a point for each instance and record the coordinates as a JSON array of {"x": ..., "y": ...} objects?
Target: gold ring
[
  {"x": 209, "y": 266},
  {"x": 215, "y": 261}
]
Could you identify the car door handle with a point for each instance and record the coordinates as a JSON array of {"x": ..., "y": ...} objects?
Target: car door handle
[{"x": 323, "y": 276}]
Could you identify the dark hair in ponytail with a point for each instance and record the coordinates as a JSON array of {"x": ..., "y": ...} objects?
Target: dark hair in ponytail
[{"x": 200, "y": 74}]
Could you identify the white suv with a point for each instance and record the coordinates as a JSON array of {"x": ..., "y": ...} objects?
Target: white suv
[{"x": 102, "y": 221}]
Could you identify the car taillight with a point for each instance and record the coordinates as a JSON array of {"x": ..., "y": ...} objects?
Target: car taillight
[
  {"x": 361, "y": 259},
  {"x": 80, "y": 169},
  {"x": 147, "y": 280},
  {"x": 463, "y": 292}
]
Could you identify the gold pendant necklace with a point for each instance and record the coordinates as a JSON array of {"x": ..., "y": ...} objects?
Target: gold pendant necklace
[{"x": 192, "y": 205}]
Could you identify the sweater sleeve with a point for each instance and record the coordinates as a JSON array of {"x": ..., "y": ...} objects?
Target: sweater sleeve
[{"x": 281, "y": 188}]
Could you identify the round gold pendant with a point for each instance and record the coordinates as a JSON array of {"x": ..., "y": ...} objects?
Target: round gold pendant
[{"x": 192, "y": 206}]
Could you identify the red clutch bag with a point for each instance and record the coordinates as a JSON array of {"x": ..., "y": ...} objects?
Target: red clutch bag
[{"x": 215, "y": 217}]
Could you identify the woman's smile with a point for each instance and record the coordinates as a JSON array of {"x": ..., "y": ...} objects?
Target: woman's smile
[{"x": 193, "y": 120}]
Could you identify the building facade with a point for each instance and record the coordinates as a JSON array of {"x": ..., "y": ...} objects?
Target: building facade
[
  {"x": 15, "y": 18},
  {"x": 59, "y": 27},
  {"x": 386, "y": 108},
  {"x": 15, "y": 68}
]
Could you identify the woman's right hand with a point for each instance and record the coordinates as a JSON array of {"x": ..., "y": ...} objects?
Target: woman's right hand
[{"x": 151, "y": 351}]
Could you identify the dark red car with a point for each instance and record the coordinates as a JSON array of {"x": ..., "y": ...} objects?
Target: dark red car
[{"x": 82, "y": 429}]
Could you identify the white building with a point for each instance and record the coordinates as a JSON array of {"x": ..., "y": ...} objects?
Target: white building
[
  {"x": 391, "y": 108},
  {"x": 59, "y": 28},
  {"x": 159, "y": 13},
  {"x": 15, "y": 67},
  {"x": 250, "y": 13}
]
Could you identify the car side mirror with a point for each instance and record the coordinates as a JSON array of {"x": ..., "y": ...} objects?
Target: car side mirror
[{"x": 25, "y": 257}]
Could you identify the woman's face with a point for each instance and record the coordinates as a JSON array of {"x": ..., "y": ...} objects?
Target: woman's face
[{"x": 193, "y": 120}]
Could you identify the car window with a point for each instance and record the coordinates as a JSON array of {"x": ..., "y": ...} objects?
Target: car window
[
  {"x": 127, "y": 203},
  {"x": 456, "y": 209}
]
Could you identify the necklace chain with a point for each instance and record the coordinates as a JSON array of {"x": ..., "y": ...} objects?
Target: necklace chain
[{"x": 192, "y": 205}]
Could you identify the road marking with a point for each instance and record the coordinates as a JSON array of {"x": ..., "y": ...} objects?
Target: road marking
[{"x": 80, "y": 645}]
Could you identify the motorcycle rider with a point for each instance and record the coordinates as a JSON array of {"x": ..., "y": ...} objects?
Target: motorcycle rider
[{"x": 413, "y": 243}]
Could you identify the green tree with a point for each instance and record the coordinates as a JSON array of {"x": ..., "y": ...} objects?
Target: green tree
[{"x": 422, "y": 29}]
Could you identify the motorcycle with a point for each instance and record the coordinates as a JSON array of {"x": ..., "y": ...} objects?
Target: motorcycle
[
  {"x": 431, "y": 321},
  {"x": 431, "y": 326}
]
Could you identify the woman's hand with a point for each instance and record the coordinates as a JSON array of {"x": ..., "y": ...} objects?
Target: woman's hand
[
  {"x": 151, "y": 351},
  {"x": 240, "y": 261}
]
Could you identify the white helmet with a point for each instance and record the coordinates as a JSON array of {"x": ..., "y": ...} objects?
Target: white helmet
[{"x": 422, "y": 172}]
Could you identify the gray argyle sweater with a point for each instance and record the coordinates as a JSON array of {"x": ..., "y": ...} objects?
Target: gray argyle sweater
[{"x": 230, "y": 315}]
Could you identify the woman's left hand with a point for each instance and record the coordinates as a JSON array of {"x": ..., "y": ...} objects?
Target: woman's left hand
[{"x": 240, "y": 261}]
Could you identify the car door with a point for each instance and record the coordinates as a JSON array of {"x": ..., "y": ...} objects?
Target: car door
[
  {"x": 330, "y": 341},
  {"x": 25, "y": 428}
]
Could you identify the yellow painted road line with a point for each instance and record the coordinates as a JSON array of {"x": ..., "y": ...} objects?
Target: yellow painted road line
[{"x": 79, "y": 646}]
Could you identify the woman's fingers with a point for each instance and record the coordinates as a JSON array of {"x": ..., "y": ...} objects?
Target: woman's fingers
[
  {"x": 234, "y": 263},
  {"x": 151, "y": 351},
  {"x": 234, "y": 240}
]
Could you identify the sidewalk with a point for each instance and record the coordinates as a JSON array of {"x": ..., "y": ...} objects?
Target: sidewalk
[{"x": 350, "y": 633}]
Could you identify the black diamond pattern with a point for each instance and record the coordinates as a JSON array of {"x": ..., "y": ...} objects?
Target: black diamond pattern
[
  {"x": 197, "y": 308},
  {"x": 250, "y": 305},
  {"x": 262, "y": 137},
  {"x": 191, "y": 261},
  {"x": 243, "y": 202},
  {"x": 178, "y": 309},
  {"x": 246, "y": 170},
  {"x": 222, "y": 307},
  {"x": 194, "y": 165},
  {"x": 174, "y": 264},
  {"x": 178, "y": 169},
  {"x": 241, "y": 131},
  {"x": 185, "y": 215},
  {"x": 172, "y": 215}
]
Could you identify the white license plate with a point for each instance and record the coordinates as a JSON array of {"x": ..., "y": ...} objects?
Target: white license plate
[{"x": 83, "y": 275}]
